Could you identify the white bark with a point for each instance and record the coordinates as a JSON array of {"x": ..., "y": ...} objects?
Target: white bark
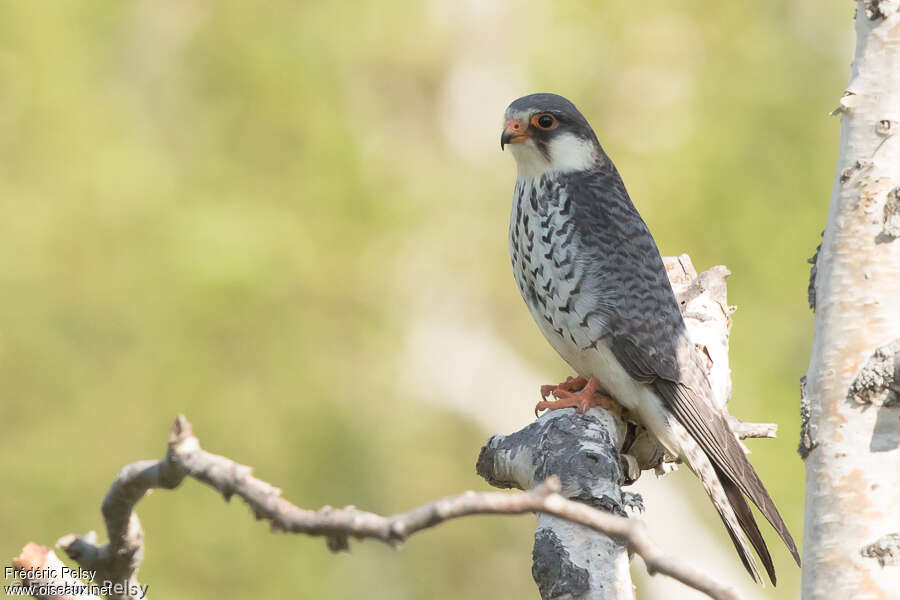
[
  {"x": 852, "y": 438},
  {"x": 707, "y": 315},
  {"x": 591, "y": 551},
  {"x": 583, "y": 451}
]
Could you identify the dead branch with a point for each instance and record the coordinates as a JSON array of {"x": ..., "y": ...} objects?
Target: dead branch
[
  {"x": 119, "y": 559},
  {"x": 746, "y": 430}
]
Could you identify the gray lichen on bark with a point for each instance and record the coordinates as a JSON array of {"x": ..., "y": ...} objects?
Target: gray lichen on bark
[
  {"x": 878, "y": 381},
  {"x": 813, "y": 269},
  {"x": 886, "y": 550},
  {"x": 891, "y": 229},
  {"x": 875, "y": 9},
  {"x": 807, "y": 443},
  {"x": 877, "y": 384}
]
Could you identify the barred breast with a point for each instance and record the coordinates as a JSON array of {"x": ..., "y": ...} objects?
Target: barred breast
[{"x": 543, "y": 252}]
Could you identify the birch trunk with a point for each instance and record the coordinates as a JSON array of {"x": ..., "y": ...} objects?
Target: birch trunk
[{"x": 851, "y": 433}]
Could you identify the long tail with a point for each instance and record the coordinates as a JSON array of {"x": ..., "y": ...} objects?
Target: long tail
[
  {"x": 731, "y": 506},
  {"x": 700, "y": 425},
  {"x": 749, "y": 483},
  {"x": 748, "y": 523}
]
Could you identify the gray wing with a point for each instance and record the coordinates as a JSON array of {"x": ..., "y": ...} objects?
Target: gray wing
[{"x": 647, "y": 335}]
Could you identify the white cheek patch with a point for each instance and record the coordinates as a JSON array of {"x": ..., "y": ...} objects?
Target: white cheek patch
[
  {"x": 571, "y": 153},
  {"x": 567, "y": 153}
]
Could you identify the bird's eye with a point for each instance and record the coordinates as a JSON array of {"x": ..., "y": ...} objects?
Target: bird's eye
[{"x": 544, "y": 121}]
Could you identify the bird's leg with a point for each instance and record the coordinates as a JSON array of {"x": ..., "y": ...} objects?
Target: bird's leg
[{"x": 578, "y": 393}]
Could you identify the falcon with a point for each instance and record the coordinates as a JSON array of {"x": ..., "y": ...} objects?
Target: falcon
[{"x": 592, "y": 277}]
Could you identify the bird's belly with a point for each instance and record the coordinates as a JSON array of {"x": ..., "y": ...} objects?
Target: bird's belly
[
  {"x": 599, "y": 362},
  {"x": 569, "y": 350},
  {"x": 639, "y": 398}
]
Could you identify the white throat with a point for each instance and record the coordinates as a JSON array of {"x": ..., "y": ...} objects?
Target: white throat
[{"x": 567, "y": 153}]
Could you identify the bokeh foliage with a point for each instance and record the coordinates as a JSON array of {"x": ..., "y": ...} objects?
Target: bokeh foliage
[{"x": 232, "y": 209}]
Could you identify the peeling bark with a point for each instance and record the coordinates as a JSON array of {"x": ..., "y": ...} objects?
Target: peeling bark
[
  {"x": 852, "y": 433},
  {"x": 583, "y": 451}
]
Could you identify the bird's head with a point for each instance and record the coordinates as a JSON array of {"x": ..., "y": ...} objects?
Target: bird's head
[{"x": 546, "y": 132}]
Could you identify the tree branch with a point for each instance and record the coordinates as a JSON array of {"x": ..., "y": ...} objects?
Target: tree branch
[
  {"x": 746, "y": 430},
  {"x": 185, "y": 457}
]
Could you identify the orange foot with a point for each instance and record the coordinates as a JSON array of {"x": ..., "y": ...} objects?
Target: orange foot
[
  {"x": 577, "y": 392},
  {"x": 571, "y": 384}
]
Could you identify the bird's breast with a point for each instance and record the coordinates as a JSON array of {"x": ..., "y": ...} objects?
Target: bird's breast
[{"x": 552, "y": 278}]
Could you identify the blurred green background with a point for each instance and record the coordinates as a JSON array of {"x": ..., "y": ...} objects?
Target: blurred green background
[{"x": 263, "y": 215}]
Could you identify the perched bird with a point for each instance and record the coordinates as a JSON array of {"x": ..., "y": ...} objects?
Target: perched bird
[{"x": 592, "y": 277}]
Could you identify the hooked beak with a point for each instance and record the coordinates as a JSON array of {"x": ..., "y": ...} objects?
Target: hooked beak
[{"x": 514, "y": 133}]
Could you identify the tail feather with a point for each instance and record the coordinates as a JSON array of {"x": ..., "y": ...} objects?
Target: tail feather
[
  {"x": 750, "y": 484},
  {"x": 747, "y": 522},
  {"x": 742, "y": 550},
  {"x": 722, "y": 494},
  {"x": 707, "y": 427}
]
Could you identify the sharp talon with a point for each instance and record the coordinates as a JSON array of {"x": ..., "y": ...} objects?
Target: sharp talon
[{"x": 577, "y": 393}]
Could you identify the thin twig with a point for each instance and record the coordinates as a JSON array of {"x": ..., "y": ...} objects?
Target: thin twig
[
  {"x": 185, "y": 457},
  {"x": 746, "y": 430}
]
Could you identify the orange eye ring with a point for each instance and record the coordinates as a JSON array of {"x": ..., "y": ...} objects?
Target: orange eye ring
[{"x": 545, "y": 121}]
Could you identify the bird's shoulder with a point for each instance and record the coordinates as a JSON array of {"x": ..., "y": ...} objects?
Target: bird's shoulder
[
  {"x": 626, "y": 277},
  {"x": 613, "y": 237}
]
